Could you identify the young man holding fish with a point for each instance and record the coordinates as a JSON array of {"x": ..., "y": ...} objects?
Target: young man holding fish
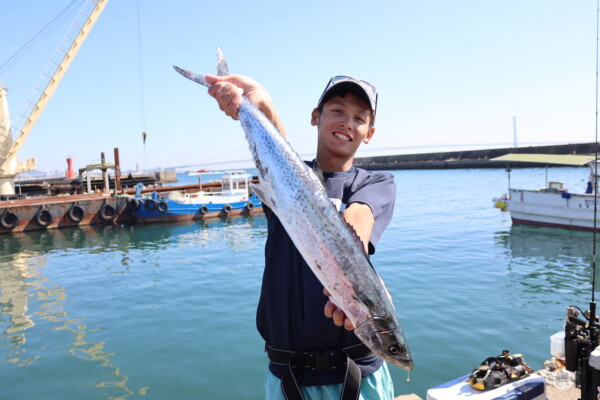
[{"x": 293, "y": 312}]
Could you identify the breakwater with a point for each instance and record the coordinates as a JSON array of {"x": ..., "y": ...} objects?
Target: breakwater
[{"x": 467, "y": 158}]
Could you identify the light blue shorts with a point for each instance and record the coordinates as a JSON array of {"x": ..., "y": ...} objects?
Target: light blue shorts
[{"x": 377, "y": 386}]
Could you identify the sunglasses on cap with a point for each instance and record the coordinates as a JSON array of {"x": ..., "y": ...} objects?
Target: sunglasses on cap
[{"x": 369, "y": 89}]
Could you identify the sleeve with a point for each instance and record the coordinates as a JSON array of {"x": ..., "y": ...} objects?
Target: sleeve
[{"x": 378, "y": 191}]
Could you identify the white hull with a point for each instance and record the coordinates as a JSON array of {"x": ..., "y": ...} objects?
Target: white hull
[{"x": 551, "y": 208}]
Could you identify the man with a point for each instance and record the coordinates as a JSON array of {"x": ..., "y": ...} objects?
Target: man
[{"x": 293, "y": 313}]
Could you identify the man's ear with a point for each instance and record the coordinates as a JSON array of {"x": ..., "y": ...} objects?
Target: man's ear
[
  {"x": 314, "y": 117},
  {"x": 369, "y": 135}
]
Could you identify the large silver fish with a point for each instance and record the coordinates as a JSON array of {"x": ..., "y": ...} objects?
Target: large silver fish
[{"x": 328, "y": 244}]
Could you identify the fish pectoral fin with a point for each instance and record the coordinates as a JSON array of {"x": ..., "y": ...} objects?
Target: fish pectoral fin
[
  {"x": 318, "y": 172},
  {"x": 257, "y": 188}
]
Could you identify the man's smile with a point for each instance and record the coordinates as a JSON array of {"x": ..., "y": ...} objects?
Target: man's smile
[{"x": 343, "y": 136}]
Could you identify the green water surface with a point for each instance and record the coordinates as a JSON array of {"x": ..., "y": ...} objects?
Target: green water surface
[{"x": 167, "y": 311}]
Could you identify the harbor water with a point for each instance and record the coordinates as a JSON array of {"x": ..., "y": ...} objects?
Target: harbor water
[{"x": 166, "y": 311}]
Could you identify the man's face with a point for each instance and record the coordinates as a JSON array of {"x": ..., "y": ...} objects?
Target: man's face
[{"x": 343, "y": 124}]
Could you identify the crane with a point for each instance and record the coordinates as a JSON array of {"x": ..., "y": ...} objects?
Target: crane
[{"x": 56, "y": 69}]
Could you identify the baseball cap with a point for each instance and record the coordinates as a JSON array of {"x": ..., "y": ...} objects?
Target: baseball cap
[{"x": 369, "y": 90}]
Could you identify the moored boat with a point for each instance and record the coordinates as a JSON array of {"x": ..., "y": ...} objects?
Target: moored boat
[
  {"x": 54, "y": 212},
  {"x": 233, "y": 198},
  {"x": 553, "y": 205}
]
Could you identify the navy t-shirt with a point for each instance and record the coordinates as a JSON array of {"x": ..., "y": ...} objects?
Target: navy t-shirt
[{"x": 290, "y": 310}]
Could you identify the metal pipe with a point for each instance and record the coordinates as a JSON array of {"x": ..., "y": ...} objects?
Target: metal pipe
[{"x": 117, "y": 171}]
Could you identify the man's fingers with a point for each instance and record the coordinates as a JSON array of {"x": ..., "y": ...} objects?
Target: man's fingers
[
  {"x": 228, "y": 96},
  {"x": 337, "y": 314},
  {"x": 338, "y": 317},
  {"x": 348, "y": 325},
  {"x": 329, "y": 309}
]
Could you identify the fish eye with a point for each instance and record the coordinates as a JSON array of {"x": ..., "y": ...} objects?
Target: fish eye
[{"x": 394, "y": 350}]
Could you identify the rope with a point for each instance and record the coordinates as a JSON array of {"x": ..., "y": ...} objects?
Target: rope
[{"x": 43, "y": 33}]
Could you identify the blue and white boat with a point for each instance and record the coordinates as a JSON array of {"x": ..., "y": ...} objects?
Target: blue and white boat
[{"x": 233, "y": 198}]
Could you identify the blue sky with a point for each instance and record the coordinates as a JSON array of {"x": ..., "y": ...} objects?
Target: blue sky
[{"x": 451, "y": 74}]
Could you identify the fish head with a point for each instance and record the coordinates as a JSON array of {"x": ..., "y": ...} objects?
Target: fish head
[{"x": 386, "y": 339}]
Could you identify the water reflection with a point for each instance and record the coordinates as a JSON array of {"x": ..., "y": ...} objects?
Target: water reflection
[
  {"x": 16, "y": 277},
  {"x": 229, "y": 232},
  {"x": 544, "y": 261},
  {"x": 28, "y": 297},
  {"x": 39, "y": 315},
  {"x": 533, "y": 241}
]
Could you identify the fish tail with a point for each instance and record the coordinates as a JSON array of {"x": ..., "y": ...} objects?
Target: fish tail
[
  {"x": 192, "y": 76},
  {"x": 222, "y": 67}
]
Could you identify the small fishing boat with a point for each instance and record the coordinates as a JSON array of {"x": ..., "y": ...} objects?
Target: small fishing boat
[
  {"x": 199, "y": 171},
  {"x": 553, "y": 205},
  {"x": 233, "y": 198}
]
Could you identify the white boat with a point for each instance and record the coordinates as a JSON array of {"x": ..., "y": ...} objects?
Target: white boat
[{"x": 554, "y": 205}]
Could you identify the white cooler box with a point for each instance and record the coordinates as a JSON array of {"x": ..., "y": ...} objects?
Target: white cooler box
[{"x": 531, "y": 387}]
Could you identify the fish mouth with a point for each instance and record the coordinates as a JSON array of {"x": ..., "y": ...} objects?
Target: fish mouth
[
  {"x": 401, "y": 360},
  {"x": 405, "y": 363},
  {"x": 343, "y": 136}
]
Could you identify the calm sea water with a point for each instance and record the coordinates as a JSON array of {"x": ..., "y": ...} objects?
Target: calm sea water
[{"x": 167, "y": 311}]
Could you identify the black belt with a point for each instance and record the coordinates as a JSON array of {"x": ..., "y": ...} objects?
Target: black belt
[{"x": 333, "y": 360}]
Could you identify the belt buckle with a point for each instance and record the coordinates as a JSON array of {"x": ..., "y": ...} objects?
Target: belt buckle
[{"x": 317, "y": 361}]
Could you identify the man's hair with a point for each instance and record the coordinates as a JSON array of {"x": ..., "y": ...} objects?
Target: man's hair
[{"x": 342, "y": 90}]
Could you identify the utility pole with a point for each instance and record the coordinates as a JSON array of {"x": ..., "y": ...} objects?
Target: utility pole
[{"x": 515, "y": 132}]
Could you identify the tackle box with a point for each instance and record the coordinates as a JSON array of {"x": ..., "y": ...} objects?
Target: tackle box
[{"x": 531, "y": 387}]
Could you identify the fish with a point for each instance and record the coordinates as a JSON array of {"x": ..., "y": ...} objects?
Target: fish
[{"x": 329, "y": 245}]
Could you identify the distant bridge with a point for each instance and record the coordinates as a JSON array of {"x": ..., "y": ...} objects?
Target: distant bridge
[{"x": 441, "y": 160}]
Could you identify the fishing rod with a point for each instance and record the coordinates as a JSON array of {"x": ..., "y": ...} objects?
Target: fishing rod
[
  {"x": 582, "y": 336},
  {"x": 592, "y": 311},
  {"x": 593, "y": 302}
]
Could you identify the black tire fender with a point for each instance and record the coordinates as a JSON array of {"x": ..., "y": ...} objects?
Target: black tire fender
[
  {"x": 107, "y": 212},
  {"x": 162, "y": 206},
  {"x": 133, "y": 205},
  {"x": 227, "y": 208},
  {"x": 43, "y": 217},
  {"x": 203, "y": 209},
  {"x": 76, "y": 213},
  {"x": 8, "y": 220},
  {"x": 149, "y": 205}
]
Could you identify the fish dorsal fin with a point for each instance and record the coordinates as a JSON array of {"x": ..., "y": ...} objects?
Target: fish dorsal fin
[
  {"x": 356, "y": 238},
  {"x": 260, "y": 193},
  {"x": 316, "y": 168},
  {"x": 318, "y": 171},
  {"x": 222, "y": 68}
]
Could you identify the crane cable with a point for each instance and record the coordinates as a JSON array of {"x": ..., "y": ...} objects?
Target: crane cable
[
  {"x": 141, "y": 65},
  {"x": 43, "y": 33},
  {"x": 141, "y": 76}
]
